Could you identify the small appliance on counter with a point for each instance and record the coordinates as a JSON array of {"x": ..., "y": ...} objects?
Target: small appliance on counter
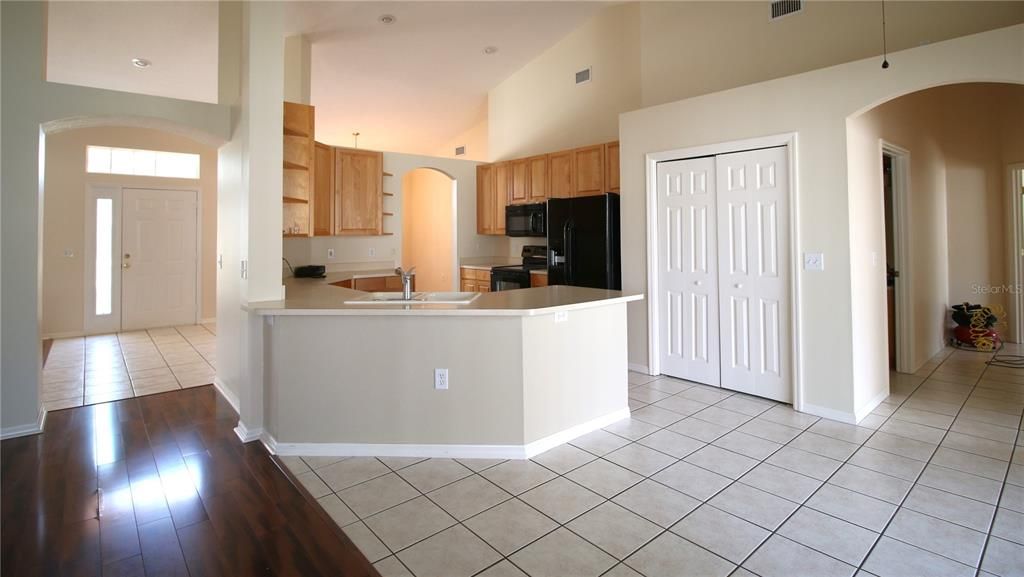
[
  {"x": 583, "y": 242},
  {"x": 517, "y": 276},
  {"x": 526, "y": 219},
  {"x": 311, "y": 271}
]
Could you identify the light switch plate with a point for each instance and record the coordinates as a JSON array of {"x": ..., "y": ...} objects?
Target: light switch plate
[
  {"x": 330, "y": 253},
  {"x": 814, "y": 261}
]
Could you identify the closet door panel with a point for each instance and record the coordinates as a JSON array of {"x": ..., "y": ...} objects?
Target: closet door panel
[{"x": 688, "y": 263}]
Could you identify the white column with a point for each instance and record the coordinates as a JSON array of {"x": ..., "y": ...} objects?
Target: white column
[
  {"x": 250, "y": 200},
  {"x": 297, "y": 54}
]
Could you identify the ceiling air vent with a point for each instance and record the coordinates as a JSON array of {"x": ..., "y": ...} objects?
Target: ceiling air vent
[
  {"x": 583, "y": 76},
  {"x": 782, "y": 8},
  {"x": 460, "y": 150}
]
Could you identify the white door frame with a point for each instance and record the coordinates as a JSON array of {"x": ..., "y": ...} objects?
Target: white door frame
[
  {"x": 789, "y": 140},
  {"x": 901, "y": 252},
  {"x": 92, "y": 324},
  {"x": 1015, "y": 249}
]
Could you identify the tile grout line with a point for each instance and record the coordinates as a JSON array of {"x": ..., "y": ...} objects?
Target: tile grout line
[{"x": 918, "y": 477}]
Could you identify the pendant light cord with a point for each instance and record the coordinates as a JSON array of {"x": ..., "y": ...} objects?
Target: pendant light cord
[{"x": 885, "y": 51}]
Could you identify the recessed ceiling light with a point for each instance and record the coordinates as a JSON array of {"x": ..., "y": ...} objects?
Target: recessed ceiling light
[
  {"x": 141, "y": 63},
  {"x": 490, "y": 50},
  {"x": 387, "y": 19}
]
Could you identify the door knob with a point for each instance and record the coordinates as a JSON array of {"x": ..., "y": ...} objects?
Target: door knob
[
  {"x": 696, "y": 283},
  {"x": 738, "y": 285},
  {"x": 125, "y": 266}
]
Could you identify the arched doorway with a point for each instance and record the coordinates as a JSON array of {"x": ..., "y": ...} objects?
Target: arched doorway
[
  {"x": 429, "y": 228},
  {"x": 930, "y": 178}
]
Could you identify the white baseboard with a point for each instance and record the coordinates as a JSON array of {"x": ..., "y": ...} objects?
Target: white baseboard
[
  {"x": 63, "y": 335},
  {"x": 441, "y": 451},
  {"x": 208, "y": 321},
  {"x": 28, "y": 429},
  {"x": 638, "y": 368},
  {"x": 246, "y": 434},
  {"x": 226, "y": 392},
  {"x": 551, "y": 441},
  {"x": 827, "y": 413},
  {"x": 869, "y": 406}
]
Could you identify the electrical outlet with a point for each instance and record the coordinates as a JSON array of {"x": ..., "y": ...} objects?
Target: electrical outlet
[
  {"x": 814, "y": 261},
  {"x": 373, "y": 252},
  {"x": 68, "y": 253},
  {"x": 330, "y": 253},
  {"x": 441, "y": 379}
]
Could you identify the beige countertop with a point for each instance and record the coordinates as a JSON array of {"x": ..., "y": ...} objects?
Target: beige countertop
[{"x": 318, "y": 297}]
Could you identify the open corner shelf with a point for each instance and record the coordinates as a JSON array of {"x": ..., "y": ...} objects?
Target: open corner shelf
[
  {"x": 388, "y": 193},
  {"x": 294, "y": 200},
  {"x": 293, "y": 166},
  {"x": 387, "y": 174},
  {"x": 295, "y": 235}
]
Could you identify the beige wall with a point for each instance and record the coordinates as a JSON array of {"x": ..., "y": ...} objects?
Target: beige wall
[
  {"x": 651, "y": 53},
  {"x": 814, "y": 106},
  {"x": 427, "y": 229},
  {"x": 541, "y": 109},
  {"x": 64, "y": 226},
  {"x": 475, "y": 141}
]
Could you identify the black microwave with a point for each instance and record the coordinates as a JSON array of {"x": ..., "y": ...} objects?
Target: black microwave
[{"x": 526, "y": 219}]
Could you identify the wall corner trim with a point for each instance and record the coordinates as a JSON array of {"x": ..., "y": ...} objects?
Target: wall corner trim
[
  {"x": 638, "y": 368},
  {"x": 25, "y": 430},
  {"x": 226, "y": 392},
  {"x": 246, "y": 434}
]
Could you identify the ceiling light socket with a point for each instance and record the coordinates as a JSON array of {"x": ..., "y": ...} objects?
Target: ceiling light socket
[
  {"x": 386, "y": 19},
  {"x": 490, "y": 50},
  {"x": 141, "y": 63}
]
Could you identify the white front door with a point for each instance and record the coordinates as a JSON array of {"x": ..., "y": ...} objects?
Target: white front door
[
  {"x": 688, "y": 270},
  {"x": 753, "y": 225},
  {"x": 159, "y": 257}
]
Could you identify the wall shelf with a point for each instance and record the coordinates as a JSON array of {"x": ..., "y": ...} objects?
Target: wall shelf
[
  {"x": 295, "y": 235},
  {"x": 293, "y": 200},
  {"x": 387, "y": 174},
  {"x": 388, "y": 214},
  {"x": 388, "y": 193},
  {"x": 293, "y": 166}
]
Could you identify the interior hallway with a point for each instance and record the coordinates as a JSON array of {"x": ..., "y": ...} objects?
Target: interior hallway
[{"x": 96, "y": 369}]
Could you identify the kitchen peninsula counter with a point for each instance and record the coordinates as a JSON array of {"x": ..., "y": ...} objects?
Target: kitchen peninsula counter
[
  {"x": 526, "y": 370},
  {"x": 320, "y": 297}
]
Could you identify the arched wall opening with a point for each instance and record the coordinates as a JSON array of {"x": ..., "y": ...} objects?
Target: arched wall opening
[
  {"x": 429, "y": 225},
  {"x": 945, "y": 226}
]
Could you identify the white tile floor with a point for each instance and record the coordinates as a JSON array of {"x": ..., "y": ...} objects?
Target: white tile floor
[
  {"x": 707, "y": 483},
  {"x": 97, "y": 369}
]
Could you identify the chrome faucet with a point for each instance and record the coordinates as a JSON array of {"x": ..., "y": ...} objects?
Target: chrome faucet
[{"x": 406, "y": 282}]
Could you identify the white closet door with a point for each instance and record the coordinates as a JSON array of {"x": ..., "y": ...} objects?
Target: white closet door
[
  {"x": 753, "y": 263},
  {"x": 688, "y": 276}
]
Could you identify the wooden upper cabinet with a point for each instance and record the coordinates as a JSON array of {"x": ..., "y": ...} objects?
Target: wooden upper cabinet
[
  {"x": 297, "y": 176},
  {"x": 611, "y": 167},
  {"x": 519, "y": 189},
  {"x": 323, "y": 190},
  {"x": 502, "y": 192},
  {"x": 485, "y": 201},
  {"x": 562, "y": 183},
  {"x": 539, "y": 180},
  {"x": 588, "y": 168},
  {"x": 298, "y": 119},
  {"x": 358, "y": 192}
]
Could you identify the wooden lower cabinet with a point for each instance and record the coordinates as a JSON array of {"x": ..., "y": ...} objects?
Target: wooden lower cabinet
[
  {"x": 538, "y": 279},
  {"x": 474, "y": 280}
]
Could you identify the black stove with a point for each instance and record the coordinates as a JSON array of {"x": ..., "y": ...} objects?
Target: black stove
[{"x": 517, "y": 276}]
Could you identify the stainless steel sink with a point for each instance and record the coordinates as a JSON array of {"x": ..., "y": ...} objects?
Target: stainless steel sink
[
  {"x": 385, "y": 298},
  {"x": 450, "y": 298},
  {"x": 396, "y": 298}
]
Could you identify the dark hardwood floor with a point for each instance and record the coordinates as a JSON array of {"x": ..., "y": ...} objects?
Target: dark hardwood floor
[{"x": 159, "y": 485}]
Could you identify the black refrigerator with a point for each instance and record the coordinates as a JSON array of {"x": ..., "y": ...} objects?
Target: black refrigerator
[{"x": 583, "y": 242}]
